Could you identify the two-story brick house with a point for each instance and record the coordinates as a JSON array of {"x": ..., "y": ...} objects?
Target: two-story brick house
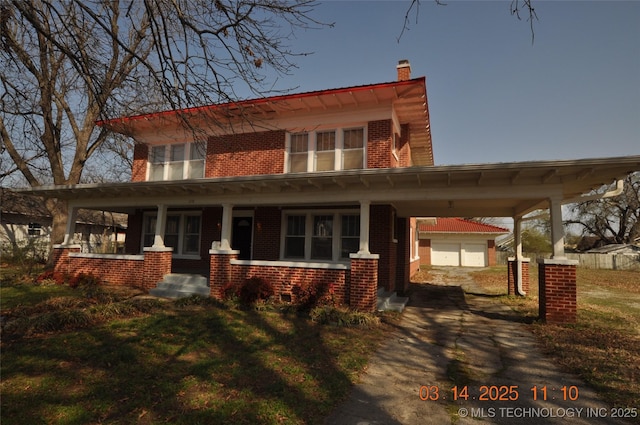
[{"x": 317, "y": 187}]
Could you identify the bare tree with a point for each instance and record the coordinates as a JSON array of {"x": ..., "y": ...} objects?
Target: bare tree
[
  {"x": 518, "y": 8},
  {"x": 611, "y": 220},
  {"x": 65, "y": 64}
]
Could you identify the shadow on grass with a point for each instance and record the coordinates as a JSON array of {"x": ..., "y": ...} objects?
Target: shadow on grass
[{"x": 184, "y": 366}]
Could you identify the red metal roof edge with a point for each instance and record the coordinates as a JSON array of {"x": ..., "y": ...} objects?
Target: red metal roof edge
[
  {"x": 448, "y": 228},
  {"x": 101, "y": 123}
]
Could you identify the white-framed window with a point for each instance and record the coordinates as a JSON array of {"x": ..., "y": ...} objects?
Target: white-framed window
[
  {"x": 182, "y": 232},
  {"x": 326, "y": 150},
  {"x": 34, "y": 229},
  {"x": 320, "y": 235},
  {"x": 177, "y": 161}
]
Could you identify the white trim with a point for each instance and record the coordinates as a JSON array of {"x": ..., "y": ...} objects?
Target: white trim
[
  {"x": 308, "y": 236},
  {"x": 312, "y": 152},
  {"x": 157, "y": 249},
  {"x": 558, "y": 261},
  {"x": 66, "y": 246},
  {"x": 293, "y": 264},
  {"x": 364, "y": 256},
  {"x": 186, "y": 162},
  {"x": 136, "y": 257}
]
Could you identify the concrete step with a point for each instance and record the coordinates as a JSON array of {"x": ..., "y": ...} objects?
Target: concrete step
[
  {"x": 181, "y": 285},
  {"x": 388, "y": 300}
]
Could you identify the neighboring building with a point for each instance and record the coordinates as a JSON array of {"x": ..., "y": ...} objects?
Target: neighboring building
[
  {"x": 310, "y": 188},
  {"x": 621, "y": 248},
  {"x": 24, "y": 220},
  {"x": 457, "y": 242}
]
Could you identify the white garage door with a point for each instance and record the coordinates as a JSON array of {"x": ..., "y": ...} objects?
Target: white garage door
[
  {"x": 445, "y": 254},
  {"x": 473, "y": 255}
]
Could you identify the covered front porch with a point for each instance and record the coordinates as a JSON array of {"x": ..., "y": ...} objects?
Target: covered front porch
[{"x": 491, "y": 190}]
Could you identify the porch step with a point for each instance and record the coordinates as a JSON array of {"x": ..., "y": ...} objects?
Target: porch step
[
  {"x": 178, "y": 285},
  {"x": 391, "y": 301}
]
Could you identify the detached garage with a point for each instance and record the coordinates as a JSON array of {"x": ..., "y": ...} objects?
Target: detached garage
[{"x": 457, "y": 242}]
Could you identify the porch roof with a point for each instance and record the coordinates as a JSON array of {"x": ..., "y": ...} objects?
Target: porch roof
[{"x": 492, "y": 189}]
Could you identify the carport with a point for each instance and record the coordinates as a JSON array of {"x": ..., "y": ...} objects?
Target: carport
[{"x": 470, "y": 190}]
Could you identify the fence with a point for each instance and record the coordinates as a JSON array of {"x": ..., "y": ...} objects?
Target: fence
[{"x": 588, "y": 261}]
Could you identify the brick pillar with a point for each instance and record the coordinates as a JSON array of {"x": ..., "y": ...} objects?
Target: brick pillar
[
  {"x": 157, "y": 263},
  {"x": 364, "y": 282},
  {"x": 60, "y": 255},
  {"x": 557, "y": 280},
  {"x": 220, "y": 270},
  {"x": 512, "y": 272}
]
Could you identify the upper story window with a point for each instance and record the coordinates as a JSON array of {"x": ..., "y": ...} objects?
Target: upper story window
[
  {"x": 177, "y": 161},
  {"x": 326, "y": 150}
]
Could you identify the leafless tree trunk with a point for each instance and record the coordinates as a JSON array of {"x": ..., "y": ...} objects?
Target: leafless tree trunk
[{"x": 65, "y": 64}]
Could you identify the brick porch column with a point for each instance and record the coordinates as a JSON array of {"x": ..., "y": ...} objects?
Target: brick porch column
[
  {"x": 512, "y": 273},
  {"x": 557, "y": 280},
  {"x": 364, "y": 282},
  {"x": 60, "y": 255},
  {"x": 157, "y": 263},
  {"x": 220, "y": 270}
]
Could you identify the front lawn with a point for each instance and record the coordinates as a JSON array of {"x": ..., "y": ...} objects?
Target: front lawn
[{"x": 173, "y": 362}]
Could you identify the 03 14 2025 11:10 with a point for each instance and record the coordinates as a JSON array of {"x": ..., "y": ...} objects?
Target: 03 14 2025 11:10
[{"x": 497, "y": 393}]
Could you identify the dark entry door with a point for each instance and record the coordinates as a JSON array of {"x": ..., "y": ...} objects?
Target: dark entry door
[{"x": 241, "y": 237}]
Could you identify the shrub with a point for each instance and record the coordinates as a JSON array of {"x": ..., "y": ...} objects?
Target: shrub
[
  {"x": 50, "y": 275},
  {"x": 310, "y": 295},
  {"x": 88, "y": 284},
  {"x": 342, "y": 316},
  {"x": 254, "y": 289}
]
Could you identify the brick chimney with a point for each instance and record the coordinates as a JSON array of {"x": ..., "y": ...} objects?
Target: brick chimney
[{"x": 404, "y": 70}]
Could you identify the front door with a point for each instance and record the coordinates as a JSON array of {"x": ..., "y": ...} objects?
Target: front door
[{"x": 241, "y": 236}]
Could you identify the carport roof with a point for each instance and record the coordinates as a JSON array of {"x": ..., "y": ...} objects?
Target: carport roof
[{"x": 468, "y": 190}]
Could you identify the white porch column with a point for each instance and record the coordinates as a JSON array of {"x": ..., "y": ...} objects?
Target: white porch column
[
  {"x": 364, "y": 227},
  {"x": 557, "y": 230},
  {"x": 517, "y": 243},
  {"x": 161, "y": 224},
  {"x": 70, "y": 230},
  {"x": 227, "y": 223}
]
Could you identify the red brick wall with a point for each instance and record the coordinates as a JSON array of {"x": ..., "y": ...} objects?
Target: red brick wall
[
  {"x": 140, "y": 157},
  {"x": 381, "y": 243},
  {"x": 156, "y": 265},
  {"x": 557, "y": 293},
  {"x": 364, "y": 288},
  {"x": 114, "y": 271},
  {"x": 220, "y": 273},
  {"x": 134, "y": 233},
  {"x": 379, "y": 144},
  {"x": 266, "y": 233},
  {"x": 403, "y": 149},
  {"x": 512, "y": 272},
  {"x": 285, "y": 279},
  {"x": 425, "y": 252},
  {"x": 61, "y": 260},
  {"x": 245, "y": 154},
  {"x": 491, "y": 252}
]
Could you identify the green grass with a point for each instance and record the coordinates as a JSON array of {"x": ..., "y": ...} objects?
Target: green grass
[{"x": 179, "y": 363}]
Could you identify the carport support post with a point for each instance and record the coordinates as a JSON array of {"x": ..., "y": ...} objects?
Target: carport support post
[
  {"x": 518, "y": 267},
  {"x": 364, "y": 227},
  {"x": 557, "y": 275},
  {"x": 227, "y": 223},
  {"x": 71, "y": 225}
]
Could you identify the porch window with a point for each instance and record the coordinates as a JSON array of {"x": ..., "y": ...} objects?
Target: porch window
[
  {"x": 326, "y": 150},
  {"x": 177, "y": 161},
  {"x": 182, "y": 232},
  {"x": 330, "y": 236}
]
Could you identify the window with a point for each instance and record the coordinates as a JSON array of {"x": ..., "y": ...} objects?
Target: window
[
  {"x": 177, "y": 161},
  {"x": 326, "y": 150},
  {"x": 294, "y": 239},
  {"x": 328, "y": 236},
  {"x": 350, "y": 237},
  {"x": 181, "y": 232},
  {"x": 298, "y": 152},
  {"x": 353, "y": 149},
  {"x": 34, "y": 229}
]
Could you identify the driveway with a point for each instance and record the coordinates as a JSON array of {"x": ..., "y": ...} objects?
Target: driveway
[{"x": 453, "y": 335}]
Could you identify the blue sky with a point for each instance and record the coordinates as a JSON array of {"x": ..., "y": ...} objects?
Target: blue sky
[{"x": 493, "y": 96}]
